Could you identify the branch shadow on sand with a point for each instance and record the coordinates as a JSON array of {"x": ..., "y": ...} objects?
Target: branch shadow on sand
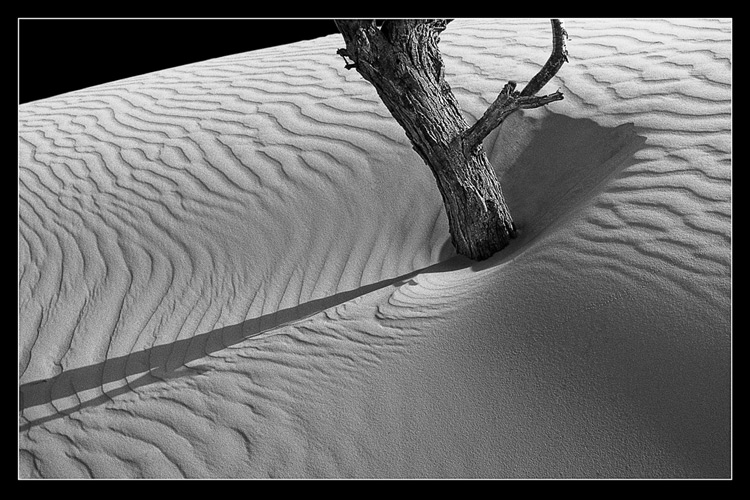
[
  {"x": 167, "y": 361},
  {"x": 551, "y": 165},
  {"x": 548, "y": 166}
]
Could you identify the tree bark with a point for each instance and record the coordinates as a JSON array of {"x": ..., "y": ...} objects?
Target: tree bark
[{"x": 402, "y": 61}]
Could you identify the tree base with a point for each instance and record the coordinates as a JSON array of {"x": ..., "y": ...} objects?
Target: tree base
[{"x": 488, "y": 231}]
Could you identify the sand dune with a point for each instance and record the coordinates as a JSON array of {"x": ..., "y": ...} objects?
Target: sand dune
[{"x": 240, "y": 268}]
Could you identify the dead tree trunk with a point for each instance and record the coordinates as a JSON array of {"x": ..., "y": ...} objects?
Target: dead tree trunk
[{"x": 402, "y": 61}]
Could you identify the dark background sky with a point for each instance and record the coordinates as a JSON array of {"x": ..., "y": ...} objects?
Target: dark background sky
[{"x": 61, "y": 55}]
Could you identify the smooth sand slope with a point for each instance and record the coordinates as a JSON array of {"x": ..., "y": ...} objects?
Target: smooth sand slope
[{"x": 240, "y": 268}]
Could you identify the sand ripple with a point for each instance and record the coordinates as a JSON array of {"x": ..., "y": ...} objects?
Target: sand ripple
[{"x": 239, "y": 268}]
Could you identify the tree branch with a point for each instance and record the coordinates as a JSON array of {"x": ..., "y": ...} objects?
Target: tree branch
[
  {"x": 554, "y": 63},
  {"x": 510, "y": 100},
  {"x": 506, "y": 103},
  {"x": 529, "y": 102}
]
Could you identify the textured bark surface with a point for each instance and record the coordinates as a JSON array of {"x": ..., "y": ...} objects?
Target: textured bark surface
[{"x": 402, "y": 61}]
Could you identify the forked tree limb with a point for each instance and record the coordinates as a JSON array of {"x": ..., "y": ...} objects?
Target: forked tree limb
[
  {"x": 509, "y": 100},
  {"x": 506, "y": 103},
  {"x": 402, "y": 61}
]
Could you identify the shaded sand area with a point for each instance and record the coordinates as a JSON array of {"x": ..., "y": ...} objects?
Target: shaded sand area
[{"x": 240, "y": 268}]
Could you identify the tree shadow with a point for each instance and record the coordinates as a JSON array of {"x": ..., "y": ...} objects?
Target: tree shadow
[
  {"x": 550, "y": 165},
  {"x": 166, "y": 361}
]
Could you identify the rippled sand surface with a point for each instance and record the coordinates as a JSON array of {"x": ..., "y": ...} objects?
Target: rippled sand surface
[{"x": 240, "y": 268}]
